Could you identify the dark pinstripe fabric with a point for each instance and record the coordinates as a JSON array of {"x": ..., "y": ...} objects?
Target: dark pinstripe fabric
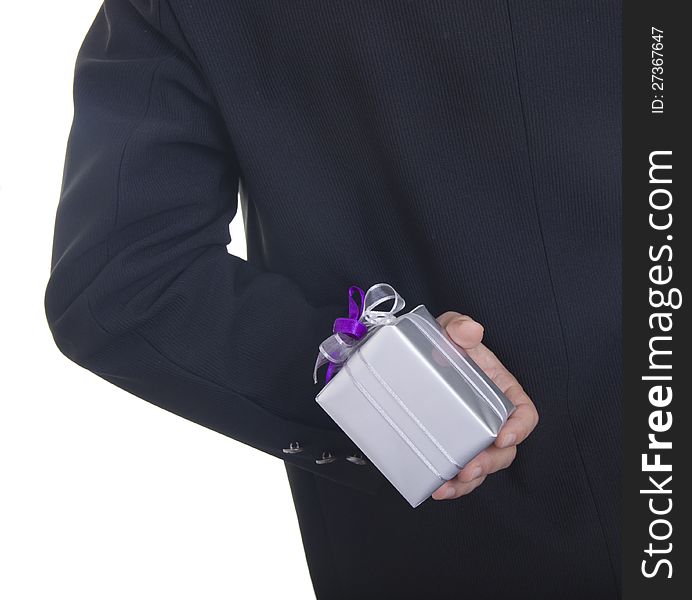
[{"x": 467, "y": 152}]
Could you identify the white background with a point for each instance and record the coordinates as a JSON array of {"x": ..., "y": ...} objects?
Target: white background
[{"x": 102, "y": 494}]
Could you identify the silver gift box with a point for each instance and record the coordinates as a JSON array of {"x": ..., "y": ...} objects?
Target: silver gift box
[{"x": 415, "y": 404}]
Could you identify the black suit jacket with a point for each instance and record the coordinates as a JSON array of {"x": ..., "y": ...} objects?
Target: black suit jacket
[{"x": 466, "y": 152}]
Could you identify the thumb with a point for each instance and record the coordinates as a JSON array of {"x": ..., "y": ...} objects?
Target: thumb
[{"x": 463, "y": 330}]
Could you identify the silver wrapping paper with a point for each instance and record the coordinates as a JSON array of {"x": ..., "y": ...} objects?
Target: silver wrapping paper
[{"x": 415, "y": 404}]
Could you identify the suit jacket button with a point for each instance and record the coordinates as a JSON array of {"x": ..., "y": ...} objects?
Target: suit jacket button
[
  {"x": 326, "y": 459},
  {"x": 293, "y": 448},
  {"x": 357, "y": 459}
]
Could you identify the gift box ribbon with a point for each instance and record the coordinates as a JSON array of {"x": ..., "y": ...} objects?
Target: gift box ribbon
[{"x": 365, "y": 314}]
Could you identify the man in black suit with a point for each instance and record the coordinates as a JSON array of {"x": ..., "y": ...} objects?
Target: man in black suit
[{"x": 467, "y": 152}]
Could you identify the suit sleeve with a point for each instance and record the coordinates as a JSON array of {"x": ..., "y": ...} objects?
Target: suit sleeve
[{"x": 142, "y": 290}]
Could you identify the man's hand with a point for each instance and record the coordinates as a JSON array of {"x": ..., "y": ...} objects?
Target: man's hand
[{"x": 468, "y": 334}]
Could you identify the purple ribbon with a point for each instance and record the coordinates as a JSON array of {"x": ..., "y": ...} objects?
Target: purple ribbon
[{"x": 350, "y": 325}]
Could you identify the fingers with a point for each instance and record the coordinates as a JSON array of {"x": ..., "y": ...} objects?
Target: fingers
[
  {"x": 521, "y": 422},
  {"x": 499, "y": 456},
  {"x": 474, "y": 473},
  {"x": 452, "y": 489},
  {"x": 463, "y": 330},
  {"x": 468, "y": 334},
  {"x": 489, "y": 461}
]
